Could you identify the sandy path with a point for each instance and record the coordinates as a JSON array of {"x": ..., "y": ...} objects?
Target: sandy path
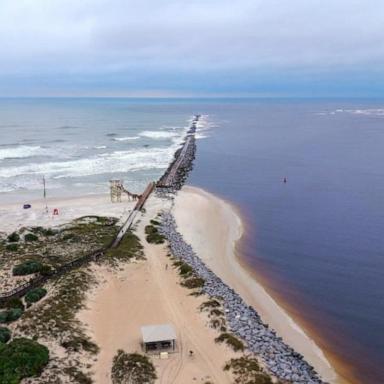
[
  {"x": 213, "y": 237},
  {"x": 147, "y": 293}
]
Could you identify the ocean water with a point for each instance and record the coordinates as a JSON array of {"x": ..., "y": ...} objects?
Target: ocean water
[
  {"x": 78, "y": 145},
  {"x": 316, "y": 241}
]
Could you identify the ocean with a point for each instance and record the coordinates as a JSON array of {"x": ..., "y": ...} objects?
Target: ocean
[{"x": 315, "y": 241}]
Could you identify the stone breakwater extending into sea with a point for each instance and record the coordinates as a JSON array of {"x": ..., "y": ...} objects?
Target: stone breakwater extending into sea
[{"x": 279, "y": 358}]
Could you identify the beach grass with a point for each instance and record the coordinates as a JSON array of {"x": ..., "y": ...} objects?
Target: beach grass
[{"x": 129, "y": 248}]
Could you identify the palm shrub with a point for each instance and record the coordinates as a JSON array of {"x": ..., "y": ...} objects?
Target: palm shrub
[
  {"x": 13, "y": 247},
  {"x": 35, "y": 294},
  {"x": 5, "y": 335},
  {"x": 15, "y": 302},
  {"x": 21, "y": 358},
  {"x": 10, "y": 315},
  {"x": 26, "y": 268},
  {"x": 13, "y": 237},
  {"x": 30, "y": 237}
]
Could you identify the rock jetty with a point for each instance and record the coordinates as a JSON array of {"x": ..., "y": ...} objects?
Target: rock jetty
[
  {"x": 177, "y": 172},
  {"x": 279, "y": 358}
]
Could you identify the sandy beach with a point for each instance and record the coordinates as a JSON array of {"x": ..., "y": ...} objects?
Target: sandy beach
[
  {"x": 213, "y": 230},
  {"x": 148, "y": 292},
  {"x": 145, "y": 293},
  {"x": 14, "y": 217}
]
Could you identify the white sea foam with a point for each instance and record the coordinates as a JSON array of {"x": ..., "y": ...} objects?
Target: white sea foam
[
  {"x": 367, "y": 112},
  {"x": 159, "y": 135},
  {"x": 119, "y": 161},
  {"x": 22, "y": 151},
  {"x": 204, "y": 125},
  {"x": 128, "y": 138},
  {"x": 100, "y": 146}
]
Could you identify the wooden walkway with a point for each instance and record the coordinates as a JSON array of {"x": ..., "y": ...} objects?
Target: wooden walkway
[
  {"x": 39, "y": 280},
  {"x": 139, "y": 205}
]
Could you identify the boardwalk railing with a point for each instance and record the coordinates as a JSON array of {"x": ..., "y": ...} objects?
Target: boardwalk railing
[
  {"x": 139, "y": 205},
  {"x": 39, "y": 280}
]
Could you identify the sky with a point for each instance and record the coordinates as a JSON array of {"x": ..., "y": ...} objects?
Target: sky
[{"x": 166, "y": 48}]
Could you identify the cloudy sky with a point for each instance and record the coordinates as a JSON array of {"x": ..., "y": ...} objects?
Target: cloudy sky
[{"x": 192, "y": 47}]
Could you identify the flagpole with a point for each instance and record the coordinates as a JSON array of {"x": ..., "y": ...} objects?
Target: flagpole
[{"x": 45, "y": 196}]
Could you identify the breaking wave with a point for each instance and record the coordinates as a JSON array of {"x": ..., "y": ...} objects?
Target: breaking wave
[
  {"x": 366, "y": 112},
  {"x": 159, "y": 135},
  {"x": 115, "y": 162},
  {"x": 22, "y": 151},
  {"x": 128, "y": 138}
]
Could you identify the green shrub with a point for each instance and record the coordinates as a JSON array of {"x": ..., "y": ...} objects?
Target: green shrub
[
  {"x": 247, "y": 370},
  {"x": 210, "y": 304},
  {"x": 78, "y": 344},
  {"x": 77, "y": 376},
  {"x": 185, "y": 269},
  {"x": 132, "y": 368},
  {"x": 49, "y": 232},
  {"x": 153, "y": 235},
  {"x": 44, "y": 231},
  {"x": 14, "y": 314},
  {"x": 69, "y": 236},
  {"x": 10, "y": 315},
  {"x": 27, "y": 267},
  {"x": 216, "y": 312},
  {"x": 218, "y": 323},
  {"x": 15, "y": 303},
  {"x": 46, "y": 270},
  {"x": 5, "y": 335},
  {"x": 231, "y": 340},
  {"x": 13, "y": 237},
  {"x": 12, "y": 247},
  {"x": 193, "y": 282},
  {"x": 21, "y": 358},
  {"x": 30, "y": 237},
  {"x": 35, "y": 294}
]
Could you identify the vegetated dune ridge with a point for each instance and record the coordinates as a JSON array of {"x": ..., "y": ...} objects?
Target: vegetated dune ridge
[{"x": 212, "y": 230}]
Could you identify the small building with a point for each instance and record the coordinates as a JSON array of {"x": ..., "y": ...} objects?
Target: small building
[{"x": 158, "y": 338}]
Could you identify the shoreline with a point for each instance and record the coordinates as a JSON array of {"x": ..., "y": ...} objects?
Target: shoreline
[
  {"x": 231, "y": 268},
  {"x": 234, "y": 271},
  {"x": 345, "y": 373}
]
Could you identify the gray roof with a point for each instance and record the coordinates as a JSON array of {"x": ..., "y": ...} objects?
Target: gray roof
[{"x": 156, "y": 333}]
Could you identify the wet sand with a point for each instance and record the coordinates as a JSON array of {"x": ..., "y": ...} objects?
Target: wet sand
[{"x": 213, "y": 230}]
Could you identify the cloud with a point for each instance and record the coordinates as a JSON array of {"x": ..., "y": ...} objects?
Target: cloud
[{"x": 48, "y": 40}]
